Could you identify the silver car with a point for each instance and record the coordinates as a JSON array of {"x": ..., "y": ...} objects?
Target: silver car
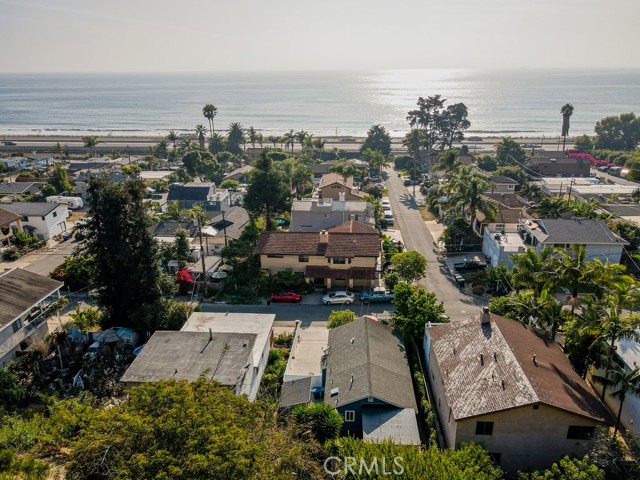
[{"x": 339, "y": 297}]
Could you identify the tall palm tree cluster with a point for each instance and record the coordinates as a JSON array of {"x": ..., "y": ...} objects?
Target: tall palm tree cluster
[{"x": 599, "y": 310}]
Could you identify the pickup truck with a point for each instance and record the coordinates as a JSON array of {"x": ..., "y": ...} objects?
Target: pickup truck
[{"x": 376, "y": 296}]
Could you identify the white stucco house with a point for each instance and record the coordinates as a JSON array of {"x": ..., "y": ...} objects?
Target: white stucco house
[{"x": 44, "y": 220}]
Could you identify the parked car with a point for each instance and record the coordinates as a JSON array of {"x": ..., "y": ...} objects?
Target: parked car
[
  {"x": 377, "y": 296},
  {"x": 388, "y": 216},
  {"x": 339, "y": 297},
  {"x": 470, "y": 266},
  {"x": 386, "y": 204},
  {"x": 290, "y": 297},
  {"x": 9, "y": 143}
]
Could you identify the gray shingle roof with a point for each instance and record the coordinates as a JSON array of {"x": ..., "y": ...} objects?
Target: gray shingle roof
[
  {"x": 489, "y": 367},
  {"x": 20, "y": 290},
  {"x": 502, "y": 180},
  {"x": 579, "y": 231},
  {"x": 167, "y": 228},
  {"x": 8, "y": 188},
  {"x": 190, "y": 191},
  {"x": 295, "y": 392},
  {"x": 27, "y": 209},
  {"x": 376, "y": 361}
]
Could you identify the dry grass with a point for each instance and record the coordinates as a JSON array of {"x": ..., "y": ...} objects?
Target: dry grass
[{"x": 426, "y": 214}]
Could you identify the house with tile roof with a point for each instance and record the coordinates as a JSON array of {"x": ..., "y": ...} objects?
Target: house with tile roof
[
  {"x": 502, "y": 384},
  {"x": 367, "y": 379},
  {"x": 344, "y": 256},
  {"x": 333, "y": 184}
]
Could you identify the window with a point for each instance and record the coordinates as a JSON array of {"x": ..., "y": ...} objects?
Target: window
[
  {"x": 303, "y": 258},
  {"x": 511, "y": 187},
  {"x": 580, "y": 433},
  {"x": 339, "y": 260},
  {"x": 273, "y": 255},
  {"x": 484, "y": 428},
  {"x": 349, "y": 415},
  {"x": 17, "y": 325}
]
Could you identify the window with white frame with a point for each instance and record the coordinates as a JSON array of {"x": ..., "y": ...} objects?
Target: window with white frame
[{"x": 350, "y": 416}]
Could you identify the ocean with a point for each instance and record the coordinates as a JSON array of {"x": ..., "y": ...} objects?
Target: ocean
[{"x": 517, "y": 103}]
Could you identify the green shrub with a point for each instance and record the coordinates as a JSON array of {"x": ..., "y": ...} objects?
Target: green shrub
[
  {"x": 340, "y": 317},
  {"x": 322, "y": 419}
]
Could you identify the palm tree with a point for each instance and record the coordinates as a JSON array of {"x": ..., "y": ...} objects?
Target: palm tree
[
  {"x": 448, "y": 161},
  {"x": 173, "y": 137},
  {"x": 58, "y": 150},
  {"x": 533, "y": 270},
  {"x": 413, "y": 142},
  {"x": 608, "y": 279},
  {"x": 552, "y": 207},
  {"x": 273, "y": 139},
  {"x": 201, "y": 131},
  {"x": 566, "y": 111},
  {"x": 90, "y": 142},
  {"x": 235, "y": 138},
  {"x": 216, "y": 143},
  {"x": 468, "y": 193},
  {"x": 253, "y": 136},
  {"x": 531, "y": 191},
  {"x": 302, "y": 136},
  {"x": 290, "y": 139},
  {"x": 260, "y": 139},
  {"x": 186, "y": 143},
  {"x": 319, "y": 143},
  {"x": 570, "y": 268},
  {"x": 625, "y": 381},
  {"x": 209, "y": 112},
  {"x": 345, "y": 169}
]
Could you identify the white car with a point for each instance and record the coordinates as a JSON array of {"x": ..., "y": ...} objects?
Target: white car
[
  {"x": 339, "y": 297},
  {"x": 386, "y": 204},
  {"x": 388, "y": 216}
]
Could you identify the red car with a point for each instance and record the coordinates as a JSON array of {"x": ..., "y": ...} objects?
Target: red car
[{"x": 286, "y": 297}]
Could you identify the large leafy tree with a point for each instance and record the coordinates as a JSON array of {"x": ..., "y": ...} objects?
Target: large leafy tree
[
  {"x": 441, "y": 126},
  {"x": 415, "y": 307},
  {"x": 620, "y": 132},
  {"x": 209, "y": 112},
  {"x": 377, "y": 139},
  {"x": 125, "y": 254},
  {"x": 453, "y": 124},
  {"x": 566, "y": 111},
  {"x": 268, "y": 192},
  {"x": 376, "y": 159},
  {"x": 411, "y": 266},
  {"x": 624, "y": 383},
  {"x": 509, "y": 152},
  {"x": 447, "y": 161},
  {"x": 59, "y": 179}
]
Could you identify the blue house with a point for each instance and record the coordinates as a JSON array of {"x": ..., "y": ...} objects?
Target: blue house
[
  {"x": 367, "y": 379},
  {"x": 201, "y": 194}
]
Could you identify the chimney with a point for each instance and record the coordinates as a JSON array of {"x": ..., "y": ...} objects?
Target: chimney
[
  {"x": 485, "y": 316},
  {"x": 210, "y": 335},
  {"x": 324, "y": 236},
  {"x": 341, "y": 196}
]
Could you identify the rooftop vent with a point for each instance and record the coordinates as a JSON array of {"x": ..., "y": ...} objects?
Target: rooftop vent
[
  {"x": 334, "y": 392},
  {"x": 535, "y": 360},
  {"x": 485, "y": 316}
]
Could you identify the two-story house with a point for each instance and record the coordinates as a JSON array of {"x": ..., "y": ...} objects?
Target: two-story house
[
  {"x": 338, "y": 257},
  {"x": 42, "y": 219},
  {"x": 202, "y": 194},
  {"x": 24, "y": 299},
  {"x": 315, "y": 214},
  {"x": 557, "y": 164},
  {"x": 8, "y": 222},
  {"x": 367, "y": 379},
  {"x": 503, "y": 385},
  {"x": 333, "y": 184}
]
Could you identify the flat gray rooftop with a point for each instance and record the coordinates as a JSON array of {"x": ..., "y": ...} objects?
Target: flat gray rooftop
[
  {"x": 20, "y": 290},
  {"x": 188, "y": 355},
  {"x": 398, "y": 425},
  {"x": 312, "y": 342}
]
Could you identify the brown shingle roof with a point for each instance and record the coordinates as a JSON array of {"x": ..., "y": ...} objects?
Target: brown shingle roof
[
  {"x": 20, "y": 290},
  {"x": 7, "y": 217},
  {"x": 308, "y": 243},
  {"x": 331, "y": 178},
  {"x": 473, "y": 378},
  {"x": 353, "y": 227}
]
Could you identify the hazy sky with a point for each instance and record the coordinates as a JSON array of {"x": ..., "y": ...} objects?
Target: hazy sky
[{"x": 235, "y": 35}]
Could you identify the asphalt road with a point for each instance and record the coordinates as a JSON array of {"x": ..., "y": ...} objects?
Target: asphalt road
[
  {"x": 306, "y": 312},
  {"x": 43, "y": 261},
  {"x": 416, "y": 236}
]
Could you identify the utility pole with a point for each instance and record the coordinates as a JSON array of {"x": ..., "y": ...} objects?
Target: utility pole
[
  {"x": 224, "y": 227},
  {"x": 199, "y": 214}
]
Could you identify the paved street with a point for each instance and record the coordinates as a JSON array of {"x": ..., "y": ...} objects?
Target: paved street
[
  {"x": 417, "y": 237},
  {"x": 43, "y": 261},
  {"x": 306, "y": 312}
]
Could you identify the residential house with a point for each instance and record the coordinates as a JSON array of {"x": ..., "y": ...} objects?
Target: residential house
[
  {"x": 502, "y": 184},
  {"x": 150, "y": 176},
  {"x": 367, "y": 379},
  {"x": 224, "y": 357},
  {"x": 258, "y": 324},
  {"x": 330, "y": 258},
  {"x": 501, "y": 384},
  {"x": 222, "y": 227},
  {"x": 232, "y": 349},
  {"x": 315, "y": 214},
  {"x": 10, "y": 163},
  {"x": 25, "y": 298},
  {"x": 18, "y": 189},
  {"x": 627, "y": 355},
  {"x": 239, "y": 174},
  {"x": 39, "y": 159},
  {"x": 201, "y": 194},
  {"x": 557, "y": 164},
  {"x": 510, "y": 211},
  {"x": 502, "y": 241},
  {"x": 83, "y": 177},
  {"x": 94, "y": 163},
  {"x": 8, "y": 222},
  {"x": 333, "y": 184},
  {"x": 42, "y": 219}
]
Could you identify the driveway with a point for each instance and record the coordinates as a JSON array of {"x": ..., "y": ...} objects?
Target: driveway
[
  {"x": 417, "y": 237},
  {"x": 43, "y": 261}
]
